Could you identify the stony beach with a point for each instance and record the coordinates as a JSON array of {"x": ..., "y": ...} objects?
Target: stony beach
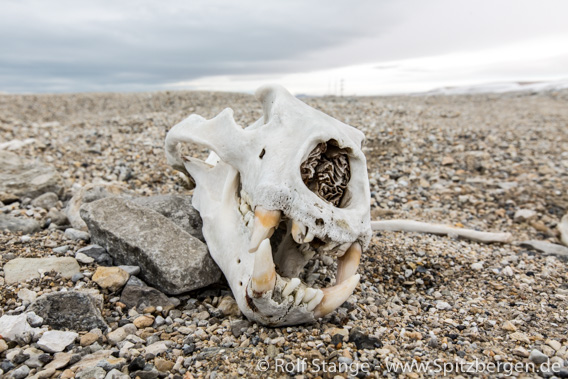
[{"x": 489, "y": 162}]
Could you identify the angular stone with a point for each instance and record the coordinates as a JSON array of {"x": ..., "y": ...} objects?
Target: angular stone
[
  {"x": 136, "y": 294},
  {"x": 170, "y": 259},
  {"x": 98, "y": 253},
  {"x": 88, "y": 194},
  {"x": 91, "y": 373},
  {"x": 55, "y": 341},
  {"x": 77, "y": 235},
  {"x": 178, "y": 209},
  {"x": 59, "y": 360},
  {"x": 46, "y": 201},
  {"x": 69, "y": 310},
  {"x": 22, "y": 178},
  {"x": 17, "y": 224},
  {"x": 22, "y": 269},
  {"x": 15, "y": 328},
  {"x": 27, "y": 295},
  {"x": 229, "y": 307},
  {"x": 113, "y": 278}
]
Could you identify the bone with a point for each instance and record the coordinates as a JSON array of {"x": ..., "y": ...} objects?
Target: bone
[
  {"x": 315, "y": 301},
  {"x": 423, "y": 227},
  {"x": 263, "y": 275},
  {"x": 335, "y": 296},
  {"x": 309, "y": 295},
  {"x": 265, "y": 222},
  {"x": 291, "y": 286},
  {"x": 348, "y": 263}
]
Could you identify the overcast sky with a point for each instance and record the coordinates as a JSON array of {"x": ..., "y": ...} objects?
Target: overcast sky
[{"x": 315, "y": 47}]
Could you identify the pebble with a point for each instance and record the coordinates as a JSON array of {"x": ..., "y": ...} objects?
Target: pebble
[
  {"x": 61, "y": 249},
  {"x": 142, "y": 322},
  {"x": 46, "y": 201},
  {"x": 131, "y": 270},
  {"x": 83, "y": 258},
  {"x": 537, "y": 357},
  {"x": 112, "y": 278},
  {"x": 21, "y": 372},
  {"x": 55, "y": 341},
  {"x": 520, "y": 337},
  {"x": 520, "y": 351},
  {"x": 27, "y": 295},
  {"x": 524, "y": 215},
  {"x": 556, "y": 345},
  {"x": 442, "y": 305},
  {"x": 77, "y": 235}
]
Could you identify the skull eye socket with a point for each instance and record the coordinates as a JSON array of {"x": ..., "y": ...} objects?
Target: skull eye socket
[{"x": 326, "y": 172}]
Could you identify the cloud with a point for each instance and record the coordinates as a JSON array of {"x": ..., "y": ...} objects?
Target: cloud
[{"x": 63, "y": 46}]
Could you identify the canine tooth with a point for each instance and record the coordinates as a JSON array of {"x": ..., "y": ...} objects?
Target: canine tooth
[
  {"x": 309, "y": 295},
  {"x": 291, "y": 286},
  {"x": 335, "y": 296},
  {"x": 263, "y": 274},
  {"x": 315, "y": 301},
  {"x": 348, "y": 263},
  {"x": 298, "y": 231},
  {"x": 299, "y": 296},
  {"x": 264, "y": 223}
]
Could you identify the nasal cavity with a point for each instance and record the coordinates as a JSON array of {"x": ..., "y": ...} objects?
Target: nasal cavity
[{"x": 326, "y": 172}]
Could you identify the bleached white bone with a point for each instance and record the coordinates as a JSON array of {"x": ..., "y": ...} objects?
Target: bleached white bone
[
  {"x": 423, "y": 227},
  {"x": 259, "y": 168}
]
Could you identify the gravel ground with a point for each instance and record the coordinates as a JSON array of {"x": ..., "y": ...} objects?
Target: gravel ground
[{"x": 469, "y": 161}]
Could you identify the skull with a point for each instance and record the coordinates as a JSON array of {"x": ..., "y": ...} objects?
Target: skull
[{"x": 274, "y": 196}]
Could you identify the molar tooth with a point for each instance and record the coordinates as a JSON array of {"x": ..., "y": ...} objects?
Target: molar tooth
[
  {"x": 309, "y": 237},
  {"x": 299, "y": 296},
  {"x": 309, "y": 295},
  {"x": 265, "y": 222},
  {"x": 335, "y": 296},
  {"x": 263, "y": 274},
  {"x": 298, "y": 231},
  {"x": 291, "y": 286},
  {"x": 348, "y": 263},
  {"x": 315, "y": 301}
]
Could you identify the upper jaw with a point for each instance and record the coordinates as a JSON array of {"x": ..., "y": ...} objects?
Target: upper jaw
[{"x": 278, "y": 298}]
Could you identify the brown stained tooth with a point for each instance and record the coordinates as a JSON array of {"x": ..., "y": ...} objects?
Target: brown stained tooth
[
  {"x": 265, "y": 222},
  {"x": 263, "y": 275},
  {"x": 347, "y": 264},
  {"x": 334, "y": 296}
]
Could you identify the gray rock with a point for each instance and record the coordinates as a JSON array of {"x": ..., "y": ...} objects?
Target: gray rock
[
  {"x": 547, "y": 248},
  {"x": 17, "y": 224},
  {"x": 69, "y": 310},
  {"x": 537, "y": 357},
  {"x": 20, "y": 373},
  {"x": 82, "y": 258},
  {"x": 115, "y": 374},
  {"x": 131, "y": 270},
  {"x": 22, "y": 269},
  {"x": 55, "y": 341},
  {"x": 77, "y": 235},
  {"x": 34, "y": 357},
  {"x": 33, "y": 319},
  {"x": 169, "y": 258},
  {"x": 98, "y": 253},
  {"x": 15, "y": 328},
  {"x": 57, "y": 217},
  {"x": 178, "y": 209},
  {"x": 22, "y": 178},
  {"x": 88, "y": 194},
  {"x": 46, "y": 201},
  {"x": 61, "y": 249},
  {"x": 136, "y": 294},
  {"x": 563, "y": 230},
  {"x": 91, "y": 373}
]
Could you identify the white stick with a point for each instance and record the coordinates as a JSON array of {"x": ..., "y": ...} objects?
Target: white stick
[{"x": 423, "y": 227}]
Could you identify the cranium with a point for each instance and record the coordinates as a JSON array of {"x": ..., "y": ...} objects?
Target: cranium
[{"x": 272, "y": 196}]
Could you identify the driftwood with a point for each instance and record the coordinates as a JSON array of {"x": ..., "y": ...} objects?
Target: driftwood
[{"x": 423, "y": 227}]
